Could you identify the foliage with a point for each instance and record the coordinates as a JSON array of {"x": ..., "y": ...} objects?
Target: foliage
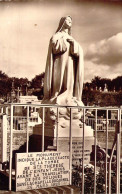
[
  {"x": 38, "y": 92},
  {"x": 89, "y": 178},
  {"x": 37, "y": 81},
  {"x": 6, "y": 83},
  {"x": 35, "y": 87},
  {"x": 117, "y": 82},
  {"x": 22, "y": 83},
  {"x": 3, "y": 76},
  {"x": 100, "y": 82},
  {"x": 37, "y": 84},
  {"x": 102, "y": 98}
]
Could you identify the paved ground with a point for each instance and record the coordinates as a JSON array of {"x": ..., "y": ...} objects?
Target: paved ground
[{"x": 56, "y": 190}]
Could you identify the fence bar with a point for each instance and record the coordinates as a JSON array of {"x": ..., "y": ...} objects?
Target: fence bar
[
  {"x": 57, "y": 127},
  {"x": 110, "y": 169},
  {"x": 120, "y": 131},
  {"x": 43, "y": 122},
  {"x": 6, "y": 111},
  {"x": 83, "y": 151},
  {"x": 2, "y": 110},
  {"x": 95, "y": 151},
  {"x": 70, "y": 148},
  {"x": 27, "y": 143},
  {"x": 11, "y": 152},
  {"x": 106, "y": 161},
  {"x": 118, "y": 154},
  {"x": 120, "y": 127},
  {"x": 112, "y": 152}
]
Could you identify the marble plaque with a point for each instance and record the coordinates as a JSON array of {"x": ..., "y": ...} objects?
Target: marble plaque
[{"x": 41, "y": 170}]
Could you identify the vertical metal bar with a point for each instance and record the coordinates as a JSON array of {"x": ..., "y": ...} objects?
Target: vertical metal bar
[
  {"x": 118, "y": 154},
  {"x": 95, "y": 151},
  {"x": 106, "y": 152},
  {"x": 57, "y": 128},
  {"x": 118, "y": 165},
  {"x": 92, "y": 123},
  {"x": 6, "y": 110},
  {"x": 2, "y": 110},
  {"x": 117, "y": 143},
  {"x": 43, "y": 121},
  {"x": 14, "y": 123},
  {"x": 109, "y": 186},
  {"x": 11, "y": 151},
  {"x": 34, "y": 109},
  {"x": 83, "y": 151},
  {"x": 120, "y": 130},
  {"x": 27, "y": 143},
  {"x": 70, "y": 148}
]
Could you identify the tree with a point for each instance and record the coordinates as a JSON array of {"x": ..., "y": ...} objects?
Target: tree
[
  {"x": 3, "y": 76},
  {"x": 6, "y": 84},
  {"x": 37, "y": 81},
  {"x": 117, "y": 83}
]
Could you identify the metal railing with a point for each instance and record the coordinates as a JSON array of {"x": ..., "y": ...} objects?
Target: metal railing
[
  {"x": 20, "y": 122},
  {"x": 95, "y": 123},
  {"x": 101, "y": 124}
]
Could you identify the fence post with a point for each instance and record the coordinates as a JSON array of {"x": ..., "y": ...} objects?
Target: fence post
[
  {"x": 27, "y": 143},
  {"x": 4, "y": 138},
  {"x": 6, "y": 111},
  {"x": 118, "y": 145},
  {"x": 57, "y": 128},
  {"x": 43, "y": 121},
  {"x": 106, "y": 151},
  {"x": 11, "y": 151},
  {"x": 1, "y": 110},
  {"x": 95, "y": 151},
  {"x": 83, "y": 151},
  {"x": 70, "y": 148}
]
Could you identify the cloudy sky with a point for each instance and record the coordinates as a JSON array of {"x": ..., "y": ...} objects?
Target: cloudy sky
[{"x": 26, "y": 28}]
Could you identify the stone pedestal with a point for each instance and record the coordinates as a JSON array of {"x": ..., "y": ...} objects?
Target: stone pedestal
[
  {"x": 59, "y": 131},
  {"x": 57, "y": 124},
  {"x": 63, "y": 144},
  {"x": 62, "y": 129},
  {"x": 60, "y": 121}
]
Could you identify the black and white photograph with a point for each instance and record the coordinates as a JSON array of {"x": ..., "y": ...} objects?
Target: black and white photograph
[{"x": 60, "y": 96}]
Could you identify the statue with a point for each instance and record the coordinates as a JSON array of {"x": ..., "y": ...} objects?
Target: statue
[
  {"x": 105, "y": 88},
  {"x": 100, "y": 89},
  {"x": 64, "y": 74},
  {"x": 63, "y": 85}
]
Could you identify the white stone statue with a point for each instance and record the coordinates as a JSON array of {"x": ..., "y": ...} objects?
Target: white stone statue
[
  {"x": 105, "y": 88},
  {"x": 64, "y": 74},
  {"x": 63, "y": 84}
]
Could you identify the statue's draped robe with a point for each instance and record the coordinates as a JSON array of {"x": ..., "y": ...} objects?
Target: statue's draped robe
[{"x": 64, "y": 68}]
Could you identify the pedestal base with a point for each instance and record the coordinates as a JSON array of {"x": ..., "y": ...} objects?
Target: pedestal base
[
  {"x": 62, "y": 129},
  {"x": 63, "y": 144}
]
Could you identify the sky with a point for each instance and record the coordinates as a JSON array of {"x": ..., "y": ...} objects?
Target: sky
[{"x": 26, "y": 28}]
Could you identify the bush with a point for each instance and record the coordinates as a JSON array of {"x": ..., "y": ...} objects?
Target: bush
[{"x": 89, "y": 178}]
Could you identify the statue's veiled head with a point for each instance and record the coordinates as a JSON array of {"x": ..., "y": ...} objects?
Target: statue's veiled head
[{"x": 65, "y": 21}]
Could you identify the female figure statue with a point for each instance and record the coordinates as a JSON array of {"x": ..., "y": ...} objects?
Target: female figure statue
[{"x": 64, "y": 72}]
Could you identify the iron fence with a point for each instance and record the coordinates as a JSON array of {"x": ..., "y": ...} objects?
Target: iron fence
[{"x": 98, "y": 124}]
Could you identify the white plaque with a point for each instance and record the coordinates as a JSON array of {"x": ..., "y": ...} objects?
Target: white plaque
[{"x": 41, "y": 170}]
